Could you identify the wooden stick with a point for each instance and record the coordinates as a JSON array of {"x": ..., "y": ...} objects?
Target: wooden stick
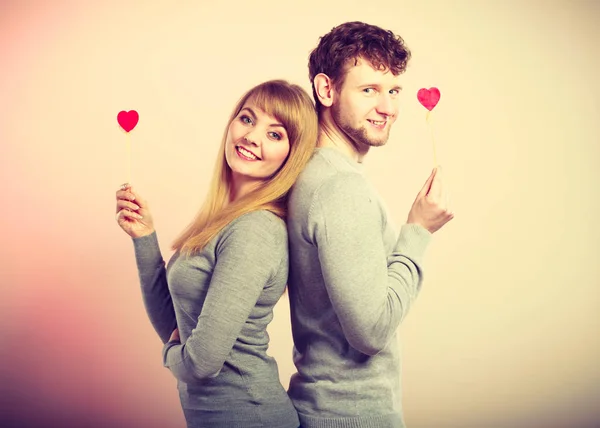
[
  {"x": 128, "y": 158},
  {"x": 435, "y": 164}
]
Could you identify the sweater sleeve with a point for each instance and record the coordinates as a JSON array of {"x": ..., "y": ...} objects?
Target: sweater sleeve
[
  {"x": 371, "y": 291},
  {"x": 153, "y": 280},
  {"x": 249, "y": 253}
]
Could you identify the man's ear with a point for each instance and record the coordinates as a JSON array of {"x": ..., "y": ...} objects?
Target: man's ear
[{"x": 324, "y": 89}]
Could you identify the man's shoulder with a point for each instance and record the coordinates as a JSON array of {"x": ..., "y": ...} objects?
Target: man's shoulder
[
  {"x": 324, "y": 169},
  {"x": 337, "y": 190}
]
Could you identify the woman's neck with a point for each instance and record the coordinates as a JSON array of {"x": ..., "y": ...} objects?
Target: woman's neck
[{"x": 240, "y": 186}]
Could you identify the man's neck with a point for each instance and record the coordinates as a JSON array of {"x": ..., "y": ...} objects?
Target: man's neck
[{"x": 330, "y": 135}]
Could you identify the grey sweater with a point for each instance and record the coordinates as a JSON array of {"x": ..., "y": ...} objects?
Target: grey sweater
[
  {"x": 222, "y": 301},
  {"x": 352, "y": 281}
]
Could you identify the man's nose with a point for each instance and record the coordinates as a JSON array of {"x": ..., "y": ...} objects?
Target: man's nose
[{"x": 386, "y": 105}]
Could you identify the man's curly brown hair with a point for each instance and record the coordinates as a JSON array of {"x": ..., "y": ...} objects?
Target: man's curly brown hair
[{"x": 351, "y": 41}]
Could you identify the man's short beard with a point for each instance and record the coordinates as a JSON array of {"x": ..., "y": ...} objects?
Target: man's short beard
[{"x": 358, "y": 135}]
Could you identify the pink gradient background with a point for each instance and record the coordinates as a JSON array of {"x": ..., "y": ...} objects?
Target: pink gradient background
[{"x": 506, "y": 330}]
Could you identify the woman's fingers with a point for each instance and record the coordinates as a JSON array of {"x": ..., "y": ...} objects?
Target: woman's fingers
[
  {"x": 125, "y": 214},
  {"x": 138, "y": 199},
  {"x": 126, "y": 194},
  {"x": 125, "y": 204},
  {"x": 131, "y": 195},
  {"x": 132, "y": 214}
]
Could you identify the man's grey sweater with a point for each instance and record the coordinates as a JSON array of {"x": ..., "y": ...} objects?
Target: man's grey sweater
[
  {"x": 352, "y": 281},
  {"x": 222, "y": 301}
]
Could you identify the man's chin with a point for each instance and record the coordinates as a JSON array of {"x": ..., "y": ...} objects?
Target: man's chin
[
  {"x": 378, "y": 143},
  {"x": 376, "y": 140},
  {"x": 364, "y": 146},
  {"x": 375, "y": 143},
  {"x": 362, "y": 138}
]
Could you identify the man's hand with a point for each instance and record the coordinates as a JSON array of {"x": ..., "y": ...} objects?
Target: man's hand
[{"x": 430, "y": 208}]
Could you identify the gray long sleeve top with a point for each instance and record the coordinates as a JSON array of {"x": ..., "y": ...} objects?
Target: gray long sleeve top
[
  {"x": 222, "y": 300},
  {"x": 352, "y": 281}
]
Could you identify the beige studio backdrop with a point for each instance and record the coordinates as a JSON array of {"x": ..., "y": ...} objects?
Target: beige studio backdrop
[{"x": 506, "y": 330}]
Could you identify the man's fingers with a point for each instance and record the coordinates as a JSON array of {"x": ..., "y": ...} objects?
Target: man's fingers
[
  {"x": 436, "y": 190},
  {"x": 425, "y": 190}
]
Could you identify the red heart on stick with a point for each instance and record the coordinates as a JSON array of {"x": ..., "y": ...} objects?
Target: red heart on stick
[
  {"x": 128, "y": 119},
  {"x": 429, "y": 97}
]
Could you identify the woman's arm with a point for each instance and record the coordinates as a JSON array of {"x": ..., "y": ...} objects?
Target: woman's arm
[
  {"x": 133, "y": 216},
  {"x": 153, "y": 280}
]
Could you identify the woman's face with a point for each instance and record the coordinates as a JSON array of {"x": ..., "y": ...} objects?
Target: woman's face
[{"x": 257, "y": 145}]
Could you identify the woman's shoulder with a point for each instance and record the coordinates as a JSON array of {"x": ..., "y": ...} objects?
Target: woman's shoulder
[
  {"x": 262, "y": 225},
  {"x": 260, "y": 218}
]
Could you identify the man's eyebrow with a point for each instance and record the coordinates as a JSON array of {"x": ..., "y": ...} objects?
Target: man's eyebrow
[{"x": 379, "y": 86}]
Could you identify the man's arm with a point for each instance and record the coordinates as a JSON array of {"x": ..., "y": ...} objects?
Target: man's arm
[{"x": 371, "y": 291}]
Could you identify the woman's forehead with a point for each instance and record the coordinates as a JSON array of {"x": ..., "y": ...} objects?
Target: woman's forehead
[{"x": 259, "y": 107}]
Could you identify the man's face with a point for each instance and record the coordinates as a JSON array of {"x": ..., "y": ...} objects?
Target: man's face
[{"x": 366, "y": 104}]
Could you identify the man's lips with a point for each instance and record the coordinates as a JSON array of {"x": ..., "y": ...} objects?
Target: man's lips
[{"x": 378, "y": 123}]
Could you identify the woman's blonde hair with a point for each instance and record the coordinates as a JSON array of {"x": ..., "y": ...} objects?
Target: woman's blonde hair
[{"x": 292, "y": 106}]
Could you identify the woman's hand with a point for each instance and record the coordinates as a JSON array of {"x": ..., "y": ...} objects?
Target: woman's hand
[
  {"x": 175, "y": 336},
  {"x": 133, "y": 214}
]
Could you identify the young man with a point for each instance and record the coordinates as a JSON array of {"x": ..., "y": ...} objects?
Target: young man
[{"x": 352, "y": 278}]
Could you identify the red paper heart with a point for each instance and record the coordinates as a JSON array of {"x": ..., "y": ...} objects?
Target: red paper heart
[
  {"x": 128, "y": 119},
  {"x": 429, "y": 97}
]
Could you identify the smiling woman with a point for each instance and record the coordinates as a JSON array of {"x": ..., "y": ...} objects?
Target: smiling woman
[
  {"x": 256, "y": 147},
  {"x": 213, "y": 302},
  {"x": 238, "y": 188}
]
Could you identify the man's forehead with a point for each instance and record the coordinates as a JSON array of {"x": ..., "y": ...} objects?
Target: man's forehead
[{"x": 361, "y": 68}]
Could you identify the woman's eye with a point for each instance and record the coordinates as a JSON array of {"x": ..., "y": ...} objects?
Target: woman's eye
[
  {"x": 275, "y": 135},
  {"x": 245, "y": 119},
  {"x": 368, "y": 90}
]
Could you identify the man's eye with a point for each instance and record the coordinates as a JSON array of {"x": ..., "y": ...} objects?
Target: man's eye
[{"x": 368, "y": 90}]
